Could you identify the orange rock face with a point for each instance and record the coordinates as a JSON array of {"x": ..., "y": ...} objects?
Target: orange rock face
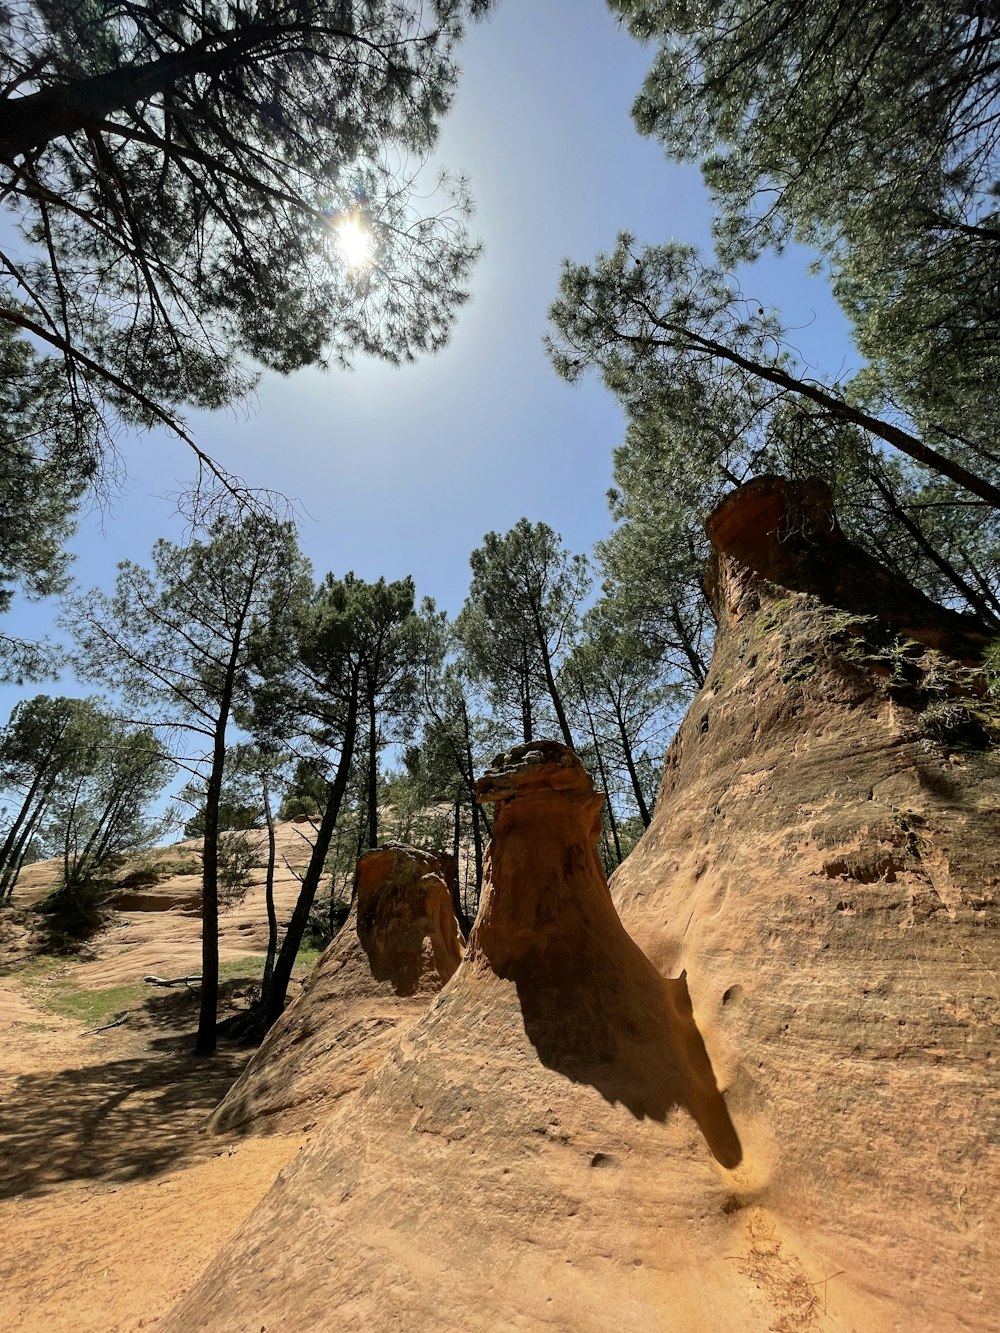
[
  {"x": 396, "y": 950},
  {"x": 771, "y": 1105},
  {"x": 547, "y": 1147},
  {"x": 824, "y": 863}
]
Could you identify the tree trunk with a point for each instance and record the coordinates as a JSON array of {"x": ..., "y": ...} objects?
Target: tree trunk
[
  {"x": 274, "y": 1001},
  {"x": 208, "y": 1015},
  {"x": 640, "y": 798},
  {"x": 333, "y": 887},
  {"x": 477, "y": 836},
  {"x": 372, "y": 774},
  {"x": 931, "y": 552},
  {"x": 28, "y": 123},
  {"x": 456, "y": 843},
  {"x": 699, "y": 669},
  {"x": 604, "y": 777},
  {"x": 526, "y": 718},
  {"x": 842, "y": 411},
  {"x": 550, "y": 682},
  {"x": 209, "y": 1012},
  {"x": 272, "y": 916},
  {"x": 7, "y": 853},
  {"x": 20, "y": 849}
]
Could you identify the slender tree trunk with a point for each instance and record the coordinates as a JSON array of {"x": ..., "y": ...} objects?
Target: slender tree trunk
[
  {"x": 604, "y": 777},
  {"x": 208, "y": 1015},
  {"x": 69, "y": 839},
  {"x": 96, "y": 846},
  {"x": 640, "y": 798},
  {"x": 372, "y": 773},
  {"x": 699, "y": 669},
  {"x": 274, "y": 1000},
  {"x": 456, "y": 844},
  {"x": 526, "y": 718},
  {"x": 333, "y": 887},
  {"x": 550, "y": 682},
  {"x": 28, "y": 123},
  {"x": 272, "y": 915},
  {"x": 7, "y": 850},
  {"x": 20, "y": 850},
  {"x": 362, "y": 832},
  {"x": 984, "y": 586},
  {"x": 839, "y": 409},
  {"x": 477, "y": 836}
]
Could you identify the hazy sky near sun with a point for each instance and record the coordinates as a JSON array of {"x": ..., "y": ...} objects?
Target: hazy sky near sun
[{"x": 402, "y": 471}]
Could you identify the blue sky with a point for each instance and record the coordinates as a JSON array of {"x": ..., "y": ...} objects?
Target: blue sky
[{"x": 402, "y": 471}]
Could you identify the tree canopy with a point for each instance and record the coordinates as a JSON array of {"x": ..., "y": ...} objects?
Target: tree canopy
[
  {"x": 519, "y": 619},
  {"x": 869, "y": 131},
  {"x": 186, "y": 643},
  {"x": 180, "y": 175}
]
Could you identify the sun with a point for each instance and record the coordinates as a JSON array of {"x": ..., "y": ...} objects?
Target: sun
[{"x": 355, "y": 241}]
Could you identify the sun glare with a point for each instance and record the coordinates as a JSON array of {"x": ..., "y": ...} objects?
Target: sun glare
[{"x": 355, "y": 241}]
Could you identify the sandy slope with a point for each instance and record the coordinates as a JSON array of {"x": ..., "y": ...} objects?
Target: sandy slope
[{"x": 102, "y": 1149}]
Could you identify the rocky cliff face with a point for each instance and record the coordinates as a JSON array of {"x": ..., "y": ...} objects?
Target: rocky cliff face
[
  {"x": 824, "y": 864},
  {"x": 396, "y": 950},
  {"x": 771, "y": 1104},
  {"x": 547, "y": 1147}
]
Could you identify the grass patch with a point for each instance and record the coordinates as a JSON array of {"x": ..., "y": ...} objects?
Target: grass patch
[
  {"x": 306, "y": 957},
  {"x": 60, "y": 994},
  {"x": 249, "y": 968},
  {"x": 49, "y": 983}
]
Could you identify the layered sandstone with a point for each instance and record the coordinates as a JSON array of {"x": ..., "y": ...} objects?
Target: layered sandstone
[
  {"x": 824, "y": 864},
  {"x": 397, "y": 948},
  {"x": 790, "y": 1121},
  {"x": 548, "y": 1147}
]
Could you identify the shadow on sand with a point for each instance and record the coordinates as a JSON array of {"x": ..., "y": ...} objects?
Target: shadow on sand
[{"x": 130, "y": 1117}]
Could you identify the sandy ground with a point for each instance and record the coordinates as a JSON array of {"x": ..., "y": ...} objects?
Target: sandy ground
[{"x": 112, "y": 1198}]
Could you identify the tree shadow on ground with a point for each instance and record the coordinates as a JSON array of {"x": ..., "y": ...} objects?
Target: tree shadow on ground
[{"x": 137, "y": 1114}]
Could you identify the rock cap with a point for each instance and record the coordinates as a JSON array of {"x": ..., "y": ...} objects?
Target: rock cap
[{"x": 547, "y": 765}]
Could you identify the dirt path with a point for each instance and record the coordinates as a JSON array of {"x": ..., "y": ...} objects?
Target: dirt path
[{"x": 112, "y": 1200}]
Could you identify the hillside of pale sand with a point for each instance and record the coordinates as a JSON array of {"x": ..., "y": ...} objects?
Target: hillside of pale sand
[
  {"x": 102, "y": 1135},
  {"x": 156, "y": 929}
]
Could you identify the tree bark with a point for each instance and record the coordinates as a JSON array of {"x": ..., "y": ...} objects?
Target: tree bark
[
  {"x": 477, "y": 835},
  {"x": 526, "y": 718},
  {"x": 272, "y": 916},
  {"x": 372, "y": 773},
  {"x": 640, "y": 798},
  {"x": 40, "y": 773},
  {"x": 29, "y": 123},
  {"x": 900, "y": 439},
  {"x": 208, "y": 1015},
  {"x": 8, "y": 879},
  {"x": 274, "y": 1001},
  {"x": 550, "y": 683},
  {"x": 604, "y": 777},
  {"x": 945, "y": 566}
]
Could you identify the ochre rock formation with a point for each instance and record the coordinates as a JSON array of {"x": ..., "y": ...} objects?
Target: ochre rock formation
[
  {"x": 790, "y": 1123},
  {"x": 823, "y": 863},
  {"x": 546, "y": 1148},
  {"x": 397, "y": 948}
]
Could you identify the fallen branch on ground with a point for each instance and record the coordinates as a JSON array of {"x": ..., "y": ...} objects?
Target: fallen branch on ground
[
  {"x": 104, "y": 1027},
  {"x": 172, "y": 981}
]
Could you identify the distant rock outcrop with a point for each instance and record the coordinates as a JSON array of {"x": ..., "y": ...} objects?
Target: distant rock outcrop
[
  {"x": 397, "y": 948},
  {"x": 824, "y": 861}
]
